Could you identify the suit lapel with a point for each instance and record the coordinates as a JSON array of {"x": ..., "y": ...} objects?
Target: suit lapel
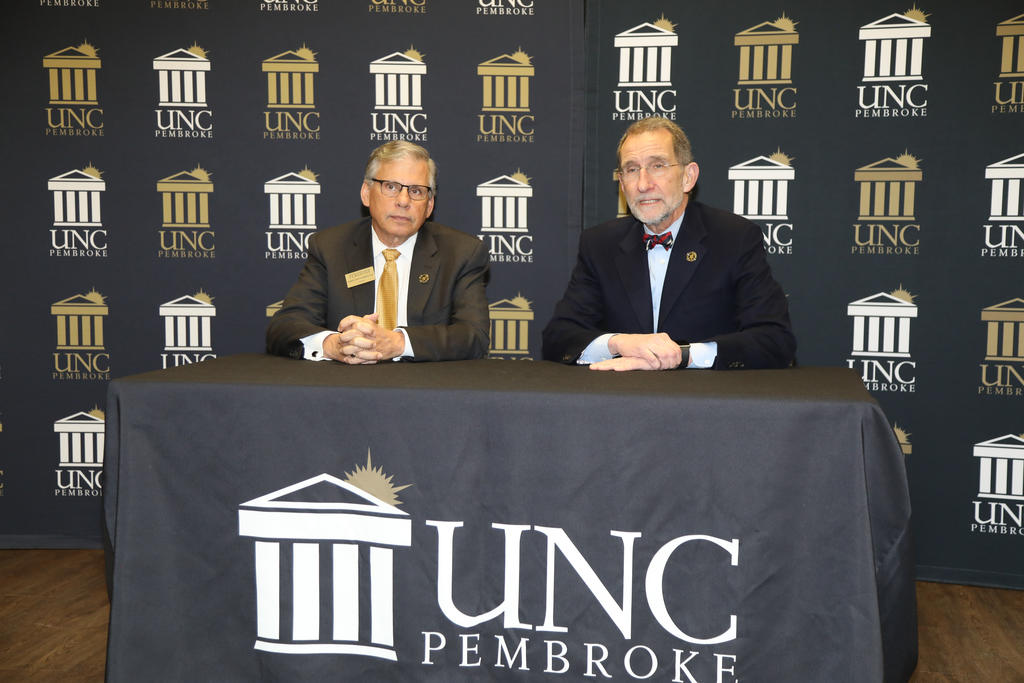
[
  {"x": 687, "y": 253},
  {"x": 422, "y": 273},
  {"x": 358, "y": 257},
  {"x": 631, "y": 262}
]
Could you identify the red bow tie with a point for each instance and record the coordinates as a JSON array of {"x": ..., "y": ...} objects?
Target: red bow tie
[{"x": 651, "y": 241}]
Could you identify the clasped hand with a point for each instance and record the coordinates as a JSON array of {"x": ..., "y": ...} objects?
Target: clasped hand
[
  {"x": 641, "y": 352},
  {"x": 362, "y": 341}
]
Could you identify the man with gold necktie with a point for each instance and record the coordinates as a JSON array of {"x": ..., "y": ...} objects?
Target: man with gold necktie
[{"x": 390, "y": 286}]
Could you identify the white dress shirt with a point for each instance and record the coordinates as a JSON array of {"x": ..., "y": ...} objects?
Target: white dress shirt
[
  {"x": 313, "y": 345},
  {"x": 702, "y": 354}
]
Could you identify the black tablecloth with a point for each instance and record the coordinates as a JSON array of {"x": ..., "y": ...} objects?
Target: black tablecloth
[{"x": 558, "y": 524}]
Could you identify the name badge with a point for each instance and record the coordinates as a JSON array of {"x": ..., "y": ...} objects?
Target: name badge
[{"x": 358, "y": 277}]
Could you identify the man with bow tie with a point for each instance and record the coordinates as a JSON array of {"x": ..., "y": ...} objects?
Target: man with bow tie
[{"x": 678, "y": 284}]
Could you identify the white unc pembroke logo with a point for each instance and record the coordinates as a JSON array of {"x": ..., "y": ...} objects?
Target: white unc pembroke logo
[
  {"x": 398, "y": 97},
  {"x": 1004, "y": 236},
  {"x": 761, "y": 193},
  {"x": 645, "y": 71},
  {"x": 503, "y": 209},
  {"x": 294, "y": 525},
  {"x": 893, "y": 66},
  {"x": 1000, "y": 510},
  {"x": 881, "y": 341}
]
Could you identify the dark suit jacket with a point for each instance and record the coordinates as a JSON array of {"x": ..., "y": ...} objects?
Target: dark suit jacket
[
  {"x": 447, "y": 303},
  {"x": 718, "y": 287}
]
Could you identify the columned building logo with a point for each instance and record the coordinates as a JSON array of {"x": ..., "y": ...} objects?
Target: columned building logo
[
  {"x": 997, "y": 509},
  {"x": 77, "y": 218},
  {"x": 188, "y": 335},
  {"x": 886, "y": 218},
  {"x": 503, "y": 219},
  {"x": 1001, "y": 468},
  {"x": 1002, "y": 372},
  {"x": 273, "y": 308},
  {"x": 291, "y": 96},
  {"x": 1004, "y": 235},
  {"x": 80, "y": 465},
  {"x": 645, "y": 71},
  {"x": 507, "y": 97},
  {"x": 350, "y": 526},
  {"x": 894, "y": 66},
  {"x": 398, "y": 97},
  {"x": 183, "y": 110},
  {"x": 292, "y": 199},
  {"x": 760, "y": 192},
  {"x": 185, "y": 215},
  {"x": 73, "y": 91},
  {"x": 1009, "y": 89},
  {"x": 1007, "y": 199},
  {"x": 510, "y": 328},
  {"x": 881, "y": 340},
  {"x": 765, "y": 81},
  {"x": 80, "y": 352},
  {"x": 81, "y": 439}
]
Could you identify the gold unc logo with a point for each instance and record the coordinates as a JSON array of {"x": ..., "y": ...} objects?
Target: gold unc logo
[
  {"x": 510, "y": 328},
  {"x": 506, "y": 81},
  {"x": 1009, "y": 89},
  {"x": 1002, "y": 372},
  {"x": 80, "y": 353},
  {"x": 185, "y": 212},
  {"x": 888, "y": 191},
  {"x": 765, "y": 83},
  {"x": 74, "y": 93},
  {"x": 291, "y": 99}
]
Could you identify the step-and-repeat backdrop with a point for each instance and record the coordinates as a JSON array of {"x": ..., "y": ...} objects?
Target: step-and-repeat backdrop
[
  {"x": 167, "y": 160},
  {"x": 881, "y": 148}
]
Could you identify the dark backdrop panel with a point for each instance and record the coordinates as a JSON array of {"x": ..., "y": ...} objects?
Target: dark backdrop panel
[
  {"x": 941, "y": 125},
  {"x": 109, "y": 135}
]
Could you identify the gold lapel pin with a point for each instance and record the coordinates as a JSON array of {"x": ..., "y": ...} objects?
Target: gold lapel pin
[
  {"x": 691, "y": 256},
  {"x": 424, "y": 278}
]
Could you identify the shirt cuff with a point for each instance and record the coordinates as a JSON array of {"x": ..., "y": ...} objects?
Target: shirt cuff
[
  {"x": 596, "y": 351},
  {"x": 313, "y": 345},
  {"x": 703, "y": 354},
  {"x": 407, "y": 351}
]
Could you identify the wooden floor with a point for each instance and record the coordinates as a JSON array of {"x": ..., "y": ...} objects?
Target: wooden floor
[{"x": 54, "y": 612}]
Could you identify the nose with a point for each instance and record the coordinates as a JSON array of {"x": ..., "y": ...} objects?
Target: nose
[
  {"x": 403, "y": 200},
  {"x": 644, "y": 179}
]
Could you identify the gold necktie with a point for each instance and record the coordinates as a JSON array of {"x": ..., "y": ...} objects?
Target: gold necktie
[{"x": 387, "y": 292}]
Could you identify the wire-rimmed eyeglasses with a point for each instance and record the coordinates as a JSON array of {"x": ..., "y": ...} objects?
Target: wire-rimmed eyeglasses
[
  {"x": 392, "y": 188},
  {"x": 631, "y": 172}
]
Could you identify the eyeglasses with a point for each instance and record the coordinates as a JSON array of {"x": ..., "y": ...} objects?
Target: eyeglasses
[
  {"x": 390, "y": 188},
  {"x": 631, "y": 173}
]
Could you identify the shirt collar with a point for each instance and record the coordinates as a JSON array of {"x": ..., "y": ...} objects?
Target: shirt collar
[
  {"x": 673, "y": 229},
  {"x": 404, "y": 249}
]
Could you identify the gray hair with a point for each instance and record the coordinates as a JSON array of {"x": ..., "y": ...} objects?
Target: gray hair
[
  {"x": 401, "y": 149},
  {"x": 680, "y": 143}
]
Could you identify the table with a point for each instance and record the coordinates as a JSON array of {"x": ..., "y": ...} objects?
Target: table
[{"x": 555, "y": 524}]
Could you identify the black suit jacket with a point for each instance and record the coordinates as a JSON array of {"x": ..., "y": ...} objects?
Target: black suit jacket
[
  {"x": 447, "y": 302},
  {"x": 718, "y": 287}
]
